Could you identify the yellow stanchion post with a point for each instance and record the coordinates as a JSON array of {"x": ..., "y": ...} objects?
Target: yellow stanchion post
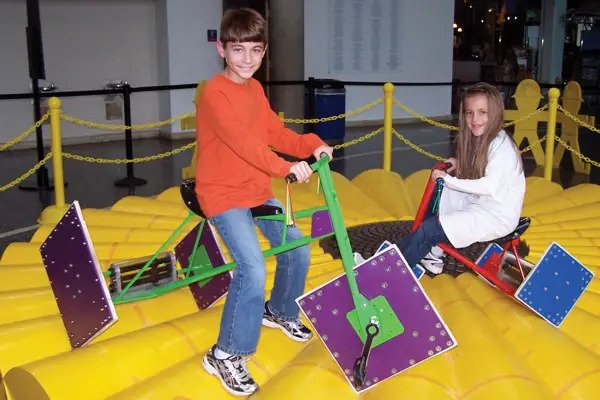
[
  {"x": 54, "y": 213},
  {"x": 388, "y": 96},
  {"x": 553, "y": 95}
]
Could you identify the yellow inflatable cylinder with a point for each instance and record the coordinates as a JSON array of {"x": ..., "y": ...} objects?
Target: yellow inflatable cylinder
[
  {"x": 34, "y": 339},
  {"x": 113, "y": 365},
  {"x": 583, "y": 327},
  {"x": 484, "y": 365},
  {"x": 388, "y": 190},
  {"x": 589, "y": 302},
  {"x": 274, "y": 351},
  {"x": 570, "y": 214},
  {"x": 28, "y": 253},
  {"x": 49, "y": 335},
  {"x": 95, "y": 217},
  {"x": 171, "y": 195},
  {"x": 144, "y": 205},
  {"x": 19, "y": 305},
  {"x": 311, "y": 375},
  {"x": 17, "y": 277},
  {"x": 572, "y": 372},
  {"x": 102, "y": 234}
]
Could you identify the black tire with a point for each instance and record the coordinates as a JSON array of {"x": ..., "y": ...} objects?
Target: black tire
[{"x": 365, "y": 239}]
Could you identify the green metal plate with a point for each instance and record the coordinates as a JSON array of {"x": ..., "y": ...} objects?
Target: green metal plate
[{"x": 389, "y": 324}]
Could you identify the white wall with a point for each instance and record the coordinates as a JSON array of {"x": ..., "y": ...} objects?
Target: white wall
[
  {"x": 84, "y": 43},
  {"x": 425, "y": 55},
  {"x": 185, "y": 55},
  {"x": 286, "y": 47},
  {"x": 145, "y": 42}
]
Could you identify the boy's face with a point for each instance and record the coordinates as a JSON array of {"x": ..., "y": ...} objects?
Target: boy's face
[{"x": 243, "y": 59}]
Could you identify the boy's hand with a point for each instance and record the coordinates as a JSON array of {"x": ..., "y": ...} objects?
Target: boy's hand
[
  {"x": 323, "y": 149},
  {"x": 302, "y": 171},
  {"x": 452, "y": 161}
]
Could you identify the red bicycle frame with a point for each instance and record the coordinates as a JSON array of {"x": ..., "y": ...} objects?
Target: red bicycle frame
[{"x": 492, "y": 265}]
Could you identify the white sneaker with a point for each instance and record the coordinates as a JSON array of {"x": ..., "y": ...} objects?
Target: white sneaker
[
  {"x": 358, "y": 259},
  {"x": 432, "y": 263}
]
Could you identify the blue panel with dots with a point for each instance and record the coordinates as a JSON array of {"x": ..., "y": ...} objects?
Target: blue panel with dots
[{"x": 555, "y": 284}]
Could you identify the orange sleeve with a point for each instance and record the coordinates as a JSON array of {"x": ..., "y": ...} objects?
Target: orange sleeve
[
  {"x": 230, "y": 130},
  {"x": 289, "y": 142}
]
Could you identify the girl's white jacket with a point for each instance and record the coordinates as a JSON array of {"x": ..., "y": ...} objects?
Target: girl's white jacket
[{"x": 478, "y": 210}]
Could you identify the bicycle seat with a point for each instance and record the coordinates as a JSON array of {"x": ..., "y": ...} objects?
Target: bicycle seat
[
  {"x": 519, "y": 230},
  {"x": 188, "y": 194}
]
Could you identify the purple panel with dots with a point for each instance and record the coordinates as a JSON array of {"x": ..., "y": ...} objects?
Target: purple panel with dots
[
  {"x": 425, "y": 334},
  {"x": 76, "y": 279},
  {"x": 321, "y": 224},
  {"x": 219, "y": 285}
]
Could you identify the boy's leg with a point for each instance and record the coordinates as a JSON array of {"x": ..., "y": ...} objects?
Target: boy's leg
[
  {"x": 417, "y": 244},
  {"x": 292, "y": 267},
  {"x": 242, "y": 313}
]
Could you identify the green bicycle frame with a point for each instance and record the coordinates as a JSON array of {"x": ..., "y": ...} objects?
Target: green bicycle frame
[{"x": 365, "y": 311}]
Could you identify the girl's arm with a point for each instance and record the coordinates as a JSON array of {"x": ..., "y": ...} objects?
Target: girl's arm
[{"x": 502, "y": 161}]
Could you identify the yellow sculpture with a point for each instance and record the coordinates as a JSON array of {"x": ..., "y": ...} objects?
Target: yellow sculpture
[
  {"x": 190, "y": 124},
  {"x": 527, "y": 98},
  {"x": 571, "y": 101}
]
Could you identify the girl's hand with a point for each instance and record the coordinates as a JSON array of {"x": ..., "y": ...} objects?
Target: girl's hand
[
  {"x": 452, "y": 161},
  {"x": 437, "y": 173}
]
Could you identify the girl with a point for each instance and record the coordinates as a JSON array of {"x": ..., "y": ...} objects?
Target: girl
[{"x": 483, "y": 202}]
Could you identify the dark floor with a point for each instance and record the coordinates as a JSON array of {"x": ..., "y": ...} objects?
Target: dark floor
[{"x": 93, "y": 184}]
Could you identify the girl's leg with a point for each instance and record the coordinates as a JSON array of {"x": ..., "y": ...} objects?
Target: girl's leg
[{"x": 417, "y": 244}]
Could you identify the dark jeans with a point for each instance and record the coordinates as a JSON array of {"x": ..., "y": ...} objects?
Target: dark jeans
[{"x": 417, "y": 244}]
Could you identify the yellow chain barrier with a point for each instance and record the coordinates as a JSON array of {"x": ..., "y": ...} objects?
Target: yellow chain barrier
[
  {"x": 523, "y": 118},
  {"x": 578, "y": 154},
  {"x": 417, "y": 148},
  {"x": 26, "y": 174},
  {"x": 97, "y": 125},
  {"x": 431, "y": 155},
  {"x": 539, "y": 141},
  {"x": 358, "y": 140},
  {"x": 26, "y": 133},
  {"x": 455, "y": 128},
  {"x": 580, "y": 122},
  {"x": 424, "y": 118},
  {"x": 334, "y": 117},
  {"x": 133, "y": 160}
]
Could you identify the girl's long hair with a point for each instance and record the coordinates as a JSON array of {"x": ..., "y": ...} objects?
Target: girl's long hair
[{"x": 471, "y": 151}]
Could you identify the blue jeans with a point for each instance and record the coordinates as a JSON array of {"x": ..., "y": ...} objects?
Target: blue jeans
[
  {"x": 417, "y": 244},
  {"x": 242, "y": 314}
]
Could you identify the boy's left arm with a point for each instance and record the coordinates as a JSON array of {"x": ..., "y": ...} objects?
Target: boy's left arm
[{"x": 286, "y": 141}]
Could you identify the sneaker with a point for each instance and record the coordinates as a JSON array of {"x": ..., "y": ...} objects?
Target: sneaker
[
  {"x": 432, "y": 263},
  {"x": 232, "y": 372},
  {"x": 295, "y": 329}
]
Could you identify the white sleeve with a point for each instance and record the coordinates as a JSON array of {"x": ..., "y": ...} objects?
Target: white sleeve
[{"x": 500, "y": 164}]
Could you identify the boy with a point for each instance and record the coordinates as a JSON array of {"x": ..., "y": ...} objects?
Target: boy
[{"x": 236, "y": 126}]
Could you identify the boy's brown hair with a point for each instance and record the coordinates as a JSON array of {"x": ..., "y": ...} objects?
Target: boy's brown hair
[{"x": 242, "y": 25}]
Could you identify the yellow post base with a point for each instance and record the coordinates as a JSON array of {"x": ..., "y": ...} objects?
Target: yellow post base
[{"x": 53, "y": 214}]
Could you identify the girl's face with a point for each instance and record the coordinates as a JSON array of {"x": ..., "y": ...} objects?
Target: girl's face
[{"x": 476, "y": 113}]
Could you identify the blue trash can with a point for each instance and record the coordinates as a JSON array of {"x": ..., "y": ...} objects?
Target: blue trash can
[{"x": 329, "y": 100}]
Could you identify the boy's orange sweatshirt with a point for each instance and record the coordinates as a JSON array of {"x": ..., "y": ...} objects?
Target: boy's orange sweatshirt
[{"x": 235, "y": 127}]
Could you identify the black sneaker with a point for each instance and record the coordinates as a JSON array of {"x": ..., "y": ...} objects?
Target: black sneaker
[
  {"x": 232, "y": 372},
  {"x": 295, "y": 329}
]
